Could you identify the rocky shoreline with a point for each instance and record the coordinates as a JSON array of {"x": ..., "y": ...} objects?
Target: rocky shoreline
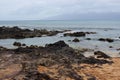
[
  {"x": 18, "y": 33},
  {"x": 53, "y": 62},
  {"x": 57, "y": 61}
]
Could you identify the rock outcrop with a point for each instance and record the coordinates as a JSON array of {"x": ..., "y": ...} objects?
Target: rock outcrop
[
  {"x": 106, "y": 39},
  {"x": 52, "y": 62},
  {"x": 75, "y": 34},
  {"x": 76, "y": 40},
  {"x": 18, "y": 33},
  {"x": 78, "y": 34}
]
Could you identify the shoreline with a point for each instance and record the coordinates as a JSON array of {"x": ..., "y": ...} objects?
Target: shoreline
[
  {"x": 88, "y": 39},
  {"x": 54, "y": 61}
]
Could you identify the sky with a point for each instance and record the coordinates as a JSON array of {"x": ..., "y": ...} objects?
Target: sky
[{"x": 59, "y": 9}]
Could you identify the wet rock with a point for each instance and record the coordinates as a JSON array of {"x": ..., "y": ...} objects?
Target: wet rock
[
  {"x": 102, "y": 39},
  {"x": 46, "y": 32},
  {"x": 106, "y": 39},
  {"x": 58, "y": 44},
  {"x": 109, "y": 40},
  {"x": 33, "y": 46},
  {"x": 75, "y": 34},
  {"x": 67, "y": 30},
  {"x": 18, "y": 33},
  {"x": 90, "y": 32},
  {"x": 23, "y": 50},
  {"x": 78, "y": 34},
  {"x": 17, "y": 44},
  {"x": 110, "y": 46},
  {"x": 52, "y": 33},
  {"x": 118, "y": 49},
  {"x": 100, "y": 54},
  {"x": 76, "y": 40},
  {"x": 69, "y": 40},
  {"x": 88, "y": 38},
  {"x": 23, "y": 44}
]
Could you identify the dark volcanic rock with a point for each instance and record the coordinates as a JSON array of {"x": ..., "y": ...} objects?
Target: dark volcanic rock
[
  {"x": 23, "y": 44},
  {"x": 69, "y": 40},
  {"x": 56, "y": 54},
  {"x": 90, "y": 32},
  {"x": 102, "y": 39},
  {"x": 23, "y": 50},
  {"x": 110, "y": 46},
  {"x": 78, "y": 34},
  {"x": 58, "y": 44},
  {"x": 107, "y": 39},
  {"x": 75, "y": 34},
  {"x": 100, "y": 54},
  {"x": 17, "y": 44},
  {"x": 88, "y": 38},
  {"x": 76, "y": 40},
  {"x": 14, "y": 32},
  {"x": 118, "y": 49},
  {"x": 18, "y": 33}
]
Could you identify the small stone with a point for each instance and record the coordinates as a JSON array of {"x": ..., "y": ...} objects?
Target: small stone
[
  {"x": 106, "y": 39},
  {"x": 23, "y": 44},
  {"x": 17, "y": 44},
  {"x": 76, "y": 40},
  {"x": 76, "y": 34},
  {"x": 88, "y": 38},
  {"x": 110, "y": 46}
]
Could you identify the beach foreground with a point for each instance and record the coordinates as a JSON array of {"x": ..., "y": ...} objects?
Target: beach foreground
[
  {"x": 56, "y": 61},
  {"x": 104, "y": 72}
]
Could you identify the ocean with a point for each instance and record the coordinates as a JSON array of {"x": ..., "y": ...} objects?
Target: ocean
[
  {"x": 104, "y": 29},
  {"x": 62, "y": 24}
]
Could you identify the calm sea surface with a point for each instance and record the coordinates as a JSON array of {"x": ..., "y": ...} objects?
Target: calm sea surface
[
  {"x": 62, "y": 24},
  {"x": 104, "y": 29}
]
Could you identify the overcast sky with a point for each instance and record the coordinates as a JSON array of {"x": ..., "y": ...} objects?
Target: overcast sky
[{"x": 57, "y": 9}]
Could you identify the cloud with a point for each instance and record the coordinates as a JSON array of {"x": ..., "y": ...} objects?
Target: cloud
[{"x": 44, "y": 9}]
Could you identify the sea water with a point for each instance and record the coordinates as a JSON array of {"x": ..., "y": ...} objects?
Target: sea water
[{"x": 104, "y": 29}]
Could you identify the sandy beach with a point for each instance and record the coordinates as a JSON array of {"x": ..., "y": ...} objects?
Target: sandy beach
[{"x": 104, "y": 72}]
